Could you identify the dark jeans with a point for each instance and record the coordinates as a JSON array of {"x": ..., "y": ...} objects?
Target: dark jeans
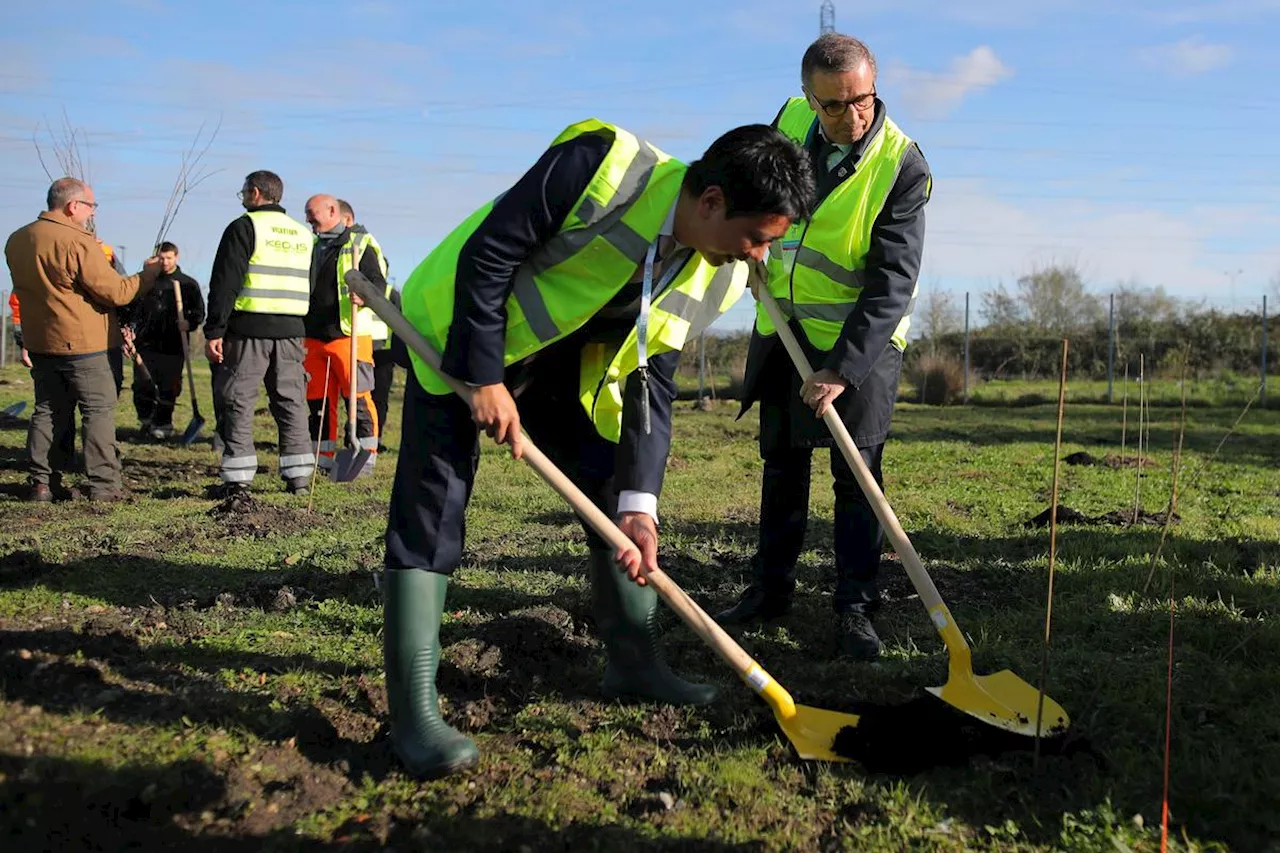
[
  {"x": 440, "y": 452},
  {"x": 115, "y": 356},
  {"x": 384, "y": 376},
  {"x": 154, "y": 401},
  {"x": 61, "y": 384},
  {"x": 784, "y": 515}
]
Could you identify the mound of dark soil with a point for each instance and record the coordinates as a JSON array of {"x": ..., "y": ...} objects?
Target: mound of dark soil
[
  {"x": 245, "y": 516},
  {"x": 910, "y": 738},
  {"x": 1119, "y": 518}
]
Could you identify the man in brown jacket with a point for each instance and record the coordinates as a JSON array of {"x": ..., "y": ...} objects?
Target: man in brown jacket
[{"x": 68, "y": 292}]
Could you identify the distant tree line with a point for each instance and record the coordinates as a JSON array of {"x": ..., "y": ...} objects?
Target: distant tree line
[
  {"x": 1016, "y": 332},
  {"x": 1021, "y": 329}
]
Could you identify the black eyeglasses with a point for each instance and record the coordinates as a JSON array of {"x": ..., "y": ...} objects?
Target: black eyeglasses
[
  {"x": 835, "y": 109},
  {"x": 241, "y": 195},
  {"x": 92, "y": 205}
]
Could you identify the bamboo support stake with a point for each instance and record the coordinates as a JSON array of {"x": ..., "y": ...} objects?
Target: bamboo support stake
[{"x": 1053, "y": 545}]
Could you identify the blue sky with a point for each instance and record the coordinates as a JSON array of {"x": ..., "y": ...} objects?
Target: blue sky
[{"x": 1134, "y": 139}]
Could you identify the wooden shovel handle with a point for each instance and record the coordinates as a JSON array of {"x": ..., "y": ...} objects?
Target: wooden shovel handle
[
  {"x": 675, "y": 597},
  {"x": 920, "y": 579},
  {"x": 186, "y": 348},
  {"x": 354, "y": 367}
]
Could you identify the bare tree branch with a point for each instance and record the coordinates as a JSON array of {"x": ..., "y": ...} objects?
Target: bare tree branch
[{"x": 191, "y": 174}]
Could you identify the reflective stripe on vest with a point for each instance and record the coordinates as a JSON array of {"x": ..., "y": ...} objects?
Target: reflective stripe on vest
[
  {"x": 381, "y": 333},
  {"x": 681, "y": 313},
  {"x": 358, "y": 241},
  {"x": 278, "y": 280},
  {"x": 569, "y": 279},
  {"x": 816, "y": 270}
]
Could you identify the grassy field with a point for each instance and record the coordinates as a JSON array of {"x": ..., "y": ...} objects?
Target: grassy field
[{"x": 174, "y": 677}]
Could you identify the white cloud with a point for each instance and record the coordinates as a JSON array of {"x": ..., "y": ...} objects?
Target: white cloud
[
  {"x": 1189, "y": 56},
  {"x": 975, "y": 234},
  {"x": 931, "y": 94}
]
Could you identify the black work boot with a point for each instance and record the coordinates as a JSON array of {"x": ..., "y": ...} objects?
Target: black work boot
[
  {"x": 429, "y": 747},
  {"x": 223, "y": 491},
  {"x": 627, "y": 616},
  {"x": 856, "y": 636},
  {"x": 757, "y": 604}
]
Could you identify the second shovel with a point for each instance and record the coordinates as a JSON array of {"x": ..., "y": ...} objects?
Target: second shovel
[{"x": 350, "y": 461}]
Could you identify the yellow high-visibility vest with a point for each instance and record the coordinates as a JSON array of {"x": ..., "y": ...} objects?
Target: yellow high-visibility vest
[
  {"x": 815, "y": 270},
  {"x": 278, "y": 280},
  {"x": 593, "y": 255},
  {"x": 367, "y": 322}
]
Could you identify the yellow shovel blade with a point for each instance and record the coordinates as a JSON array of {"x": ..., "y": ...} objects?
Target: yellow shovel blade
[
  {"x": 1004, "y": 700},
  {"x": 812, "y": 731}
]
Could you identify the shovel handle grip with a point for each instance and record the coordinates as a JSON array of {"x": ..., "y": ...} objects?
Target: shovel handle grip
[
  {"x": 920, "y": 579},
  {"x": 676, "y": 598}
]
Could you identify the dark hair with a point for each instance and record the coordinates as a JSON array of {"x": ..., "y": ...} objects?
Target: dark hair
[
  {"x": 267, "y": 183},
  {"x": 833, "y": 52},
  {"x": 62, "y": 191},
  {"x": 759, "y": 170},
  {"x": 166, "y": 246},
  {"x": 344, "y": 207}
]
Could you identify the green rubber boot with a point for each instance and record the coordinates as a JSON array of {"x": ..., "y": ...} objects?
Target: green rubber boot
[
  {"x": 427, "y": 746},
  {"x": 627, "y": 616}
]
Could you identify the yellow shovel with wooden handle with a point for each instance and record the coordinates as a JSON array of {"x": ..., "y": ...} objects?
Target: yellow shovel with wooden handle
[
  {"x": 1002, "y": 699},
  {"x": 812, "y": 731}
]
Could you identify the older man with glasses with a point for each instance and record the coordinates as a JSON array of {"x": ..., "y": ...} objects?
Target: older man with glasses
[
  {"x": 68, "y": 291},
  {"x": 846, "y": 279}
]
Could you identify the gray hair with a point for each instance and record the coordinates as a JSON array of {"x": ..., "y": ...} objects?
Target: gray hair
[
  {"x": 835, "y": 53},
  {"x": 63, "y": 191}
]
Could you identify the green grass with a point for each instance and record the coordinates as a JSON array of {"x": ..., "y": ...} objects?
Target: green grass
[{"x": 157, "y": 689}]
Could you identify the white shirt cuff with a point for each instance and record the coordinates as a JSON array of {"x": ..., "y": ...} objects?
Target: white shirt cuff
[{"x": 629, "y": 501}]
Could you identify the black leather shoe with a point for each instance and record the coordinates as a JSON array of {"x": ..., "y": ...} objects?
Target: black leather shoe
[
  {"x": 857, "y": 637},
  {"x": 756, "y": 605}
]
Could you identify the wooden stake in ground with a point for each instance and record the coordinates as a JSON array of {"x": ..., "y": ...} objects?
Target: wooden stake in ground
[
  {"x": 1168, "y": 690},
  {"x": 1168, "y": 730},
  {"x": 1173, "y": 483},
  {"x": 1137, "y": 479},
  {"x": 1053, "y": 545},
  {"x": 1213, "y": 456},
  {"x": 1124, "y": 413}
]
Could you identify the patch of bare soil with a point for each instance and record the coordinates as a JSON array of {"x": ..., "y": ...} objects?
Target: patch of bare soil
[
  {"x": 272, "y": 790},
  {"x": 512, "y": 658},
  {"x": 310, "y": 755},
  {"x": 215, "y": 804},
  {"x": 1120, "y": 517},
  {"x": 245, "y": 516},
  {"x": 287, "y": 590},
  {"x": 1111, "y": 460},
  {"x": 924, "y": 733}
]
